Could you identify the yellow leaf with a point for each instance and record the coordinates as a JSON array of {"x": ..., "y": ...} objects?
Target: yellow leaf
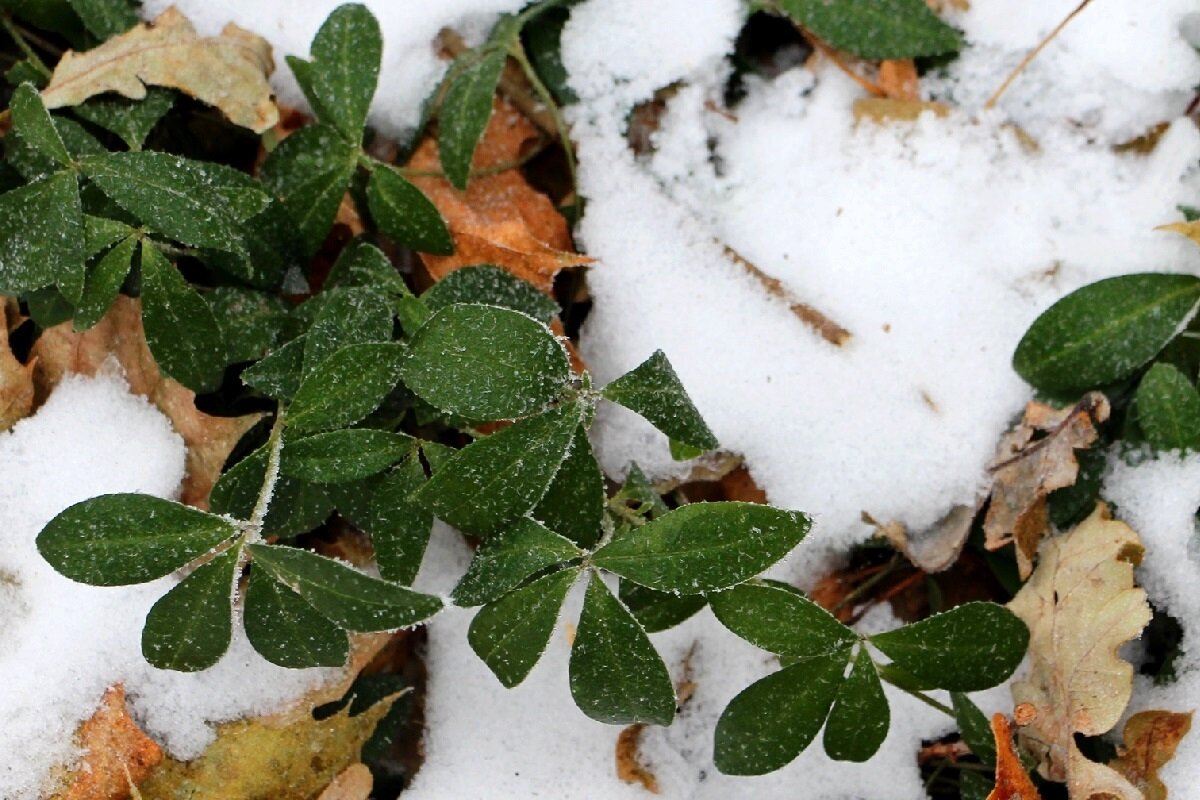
[
  {"x": 353, "y": 783},
  {"x": 1081, "y": 606},
  {"x": 1189, "y": 229},
  {"x": 1150, "y": 741},
  {"x": 228, "y": 71},
  {"x": 888, "y": 109}
]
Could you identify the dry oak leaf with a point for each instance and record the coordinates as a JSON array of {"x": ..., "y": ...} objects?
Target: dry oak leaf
[
  {"x": 1150, "y": 741},
  {"x": 228, "y": 71},
  {"x": 16, "y": 379},
  {"x": 116, "y": 753},
  {"x": 119, "y": 336},
  {"x": 1012, "y": 781},
  {"x": 1081, "y": 606},
  {"x": 1189, "y": 229},
  {"x": 1027, "y": 470},
  {"x": 353, "y": 783},
  {"x": 499, "y": 219}
]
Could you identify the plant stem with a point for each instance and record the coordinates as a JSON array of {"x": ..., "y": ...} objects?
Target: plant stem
[
  {"x": 924, "y": 698},
  {"x": 274, "y": 447},
  {"x": 517, "y": 51},
  {"x": 19, "y": 37},
  {"x": 1032, "y": 54}
]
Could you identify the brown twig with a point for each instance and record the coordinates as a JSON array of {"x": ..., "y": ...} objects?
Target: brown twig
[{"x": 1032, "y": 54}]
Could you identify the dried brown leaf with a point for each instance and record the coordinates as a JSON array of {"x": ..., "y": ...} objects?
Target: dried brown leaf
[
  {"x": 1151, "y": 738},
  {"x": 1189, "y": 229},
  {"x": 898, "y": 79},
  {"x": 115, "y": 753},
  {"x": 1081, "y": 606},
  {"x": 1012, "y": 781},
  {"x": 228, "y": 71},
  {"x": 119, "y": 336},
  {"x": 629, "y": 769},
  {"x": 1027, "y": 470},
  {"x": 354, "y": 783},
  {"x": 16, "y": 379},
  {"x": 936, "y": 548},
  {"x": 887, "y": 109}
]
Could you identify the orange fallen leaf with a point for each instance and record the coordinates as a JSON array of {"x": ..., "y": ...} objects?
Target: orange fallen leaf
[
  {"x": 898, "y": 79},
  {"x": 116, "y": 753},
  {"x": 629, "y": 769},
  {"x": 499, "y": 219},
  {"x": 1151, "y": 738},
  {"x": 16, "y": 379},
  {"x": 119, "y": 335},
  {"x": 1012, "y": 781}
]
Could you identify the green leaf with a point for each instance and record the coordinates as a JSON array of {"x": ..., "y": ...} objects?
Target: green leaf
[
  {"x": 119, "y": 539},
  {"x": 347, "y": 316},
  {"x": 345, "y": 68},
  {"x": 574, "y": 503},
  {"x": 131, "y": 120},
  {"x": 363, "y": 264},
  {"x": 704, "y": 547},
  {"x": 975, "y": 729},
  {"x": 406, "y": 215},
  {"x": 505, "y": 560},
  {"x": 180, "y": 328},
  {"x": 781, "y": 620},
  {"x": 616, "y": 674},
  {"x": 251, "y": 322},
  {"x": 658, "y": 611},
  {"x": 189, "y": 628},
  {"x": 102, "y": 232},
  {"x": 971, "y": 647},
  {"x": 103, "y": 283},
  {"x": 27, "y": 154},
  {"x": 771, "y": 721},
  {"x": 1104, "y": 331},
  {"x": 309, "y": 172},
  {"x": 343, "y": 595},
  {"x": 543, "y": 44},
  {"x": 105, "y": 19},
  {"x": 346, "y": 386},
  {"x": 485, "y": 362},
  {"x": 47, "y": 307},
  {"x": 1168, "y": 409},
  {"x": 278, "y": 373},
  {"x": 305, "y": 72},
  {"x": 296, "y": 506},
  {"x": 510, "y": 634},
  {"x": 859, "y": 721},
  {"x": 493, "y": 481},
  {"x": 464, "y": 113},
  {"x": 41, "y": 237},
  {"x": 876, "y": 29},
  {"x": 490, "y": 285},
  {"x": 399, "y": 529},
  {"x": 975, "y": 785},
  {"x": 31, "y": 121},
  {"x": 287, "y": 631},
  {"x": 341, "y": 456},
  {"x": 653, "y": 390}
]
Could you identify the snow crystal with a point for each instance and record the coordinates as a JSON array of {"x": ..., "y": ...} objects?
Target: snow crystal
[{"x": 64, "y": 642}]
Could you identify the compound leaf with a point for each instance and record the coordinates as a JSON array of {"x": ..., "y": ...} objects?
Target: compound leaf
[
  {"x": 287, "y": 631},
  {"x": 190, "y": 627},
  {"x": 181, "y": 330},
  {"x": 503, "y": 561}
]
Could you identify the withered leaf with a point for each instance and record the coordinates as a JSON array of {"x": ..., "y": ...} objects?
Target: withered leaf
[
  {"x": 228, "y": 71},
  {"x": 898, "y": 79},
  {"x": 353, "y": 783},
  {"x": 1189, "y": 229},
  {"x": 1081, "y": 606},
  {"x": 1027, "y": 470},
  {"x": 629, "y": 768},
  {"x": 16, "y": 379},
  {"x": 1012, "y": 781},
  {"x": 890, "y": 109},
  {"x": 1150, "y": 741},
  {"x": 115, "y": 752},
  {"x": 937, "y": 547}
]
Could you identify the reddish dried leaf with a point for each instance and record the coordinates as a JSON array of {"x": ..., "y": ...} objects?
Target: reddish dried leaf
[
  {"x": 115, "y": 752},
  {"x": 1012, "y": 781},
  {"x": 1150, "y": 741}
]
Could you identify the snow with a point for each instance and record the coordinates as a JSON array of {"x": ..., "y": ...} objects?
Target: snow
[{"x": 64, "y": 642}]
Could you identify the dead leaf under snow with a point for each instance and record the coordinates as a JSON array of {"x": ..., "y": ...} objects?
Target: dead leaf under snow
[
  {"x": 889, "y": 109},
  {"x": 937, "y": 547},
  {"x": 1151, "y": 738},
  {"x": 1012, "y": 781},
  {"x": 353, "y": 783},
  {"x": 228, "y": 71},
  {"x": 1027, "y": 470},
  {"x": 115, "y": 753},
  {"x": 16, "y": 379},
  {"x": 119, "y": 335},
  {"x": 1189, "y": 229},
  {"x": 1081, "y": 606},
  {"x": 629, "y": 768}
]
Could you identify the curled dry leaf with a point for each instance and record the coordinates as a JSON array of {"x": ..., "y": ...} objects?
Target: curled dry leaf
[
  {"x": 629, "y": 768},
  {"x": 119, "y": 336},
  {"x": 1027, "y": 470},
  {"x": 1012, "y": 781},
  {"x": 1150, "y": 741},
  {"x": 1081, "y": 606},
  {"x": 16, "y": 379},
  {"x": 116, "y": 753},
  {"x": 936, "y": 548},
  {"x": 354, "y": 783},
  {"x": 228, "y": 71}
]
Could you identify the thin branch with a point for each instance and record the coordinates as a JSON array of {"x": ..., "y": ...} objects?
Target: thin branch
[{"x": 1032, "y": 54}]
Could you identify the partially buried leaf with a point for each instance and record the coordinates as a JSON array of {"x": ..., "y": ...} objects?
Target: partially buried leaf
[
  {"x": 465, "y": 110},
  {"x": 228, "y": 71},
  {"x": 511, "y": 633},
  {"x": 1151, "y": 738},
  {"x": 345, "y": 66},
  {"x": 353, "y": 783},
  {"x": 405, "y": 214},
  {"x": 341, "y": 456},
  {"x": 103, "y": 283},
  {"x": 118, "y": 539},
  {"x": 704, "y": 547},
  {"x": 492, "y": 285},
  {"x": 41, "y": 237},
  {"x": 503, "y": 561},
  {"x": 347, "y": 386},
  {"x": 859, "y": 719},
  {"x": 1168, "y": 409},
  {"x": 309, "y": 172},
  {"x": 616, "y": 674},
  {"x": 286, "y": 630},
  {"x": 114, "y": 751},
  {"x": 876, "y": 29},
  {"x": 653, "y": 390},
  {"x": 189, "y": 628},
  {"x": 1081, "y": 606}
]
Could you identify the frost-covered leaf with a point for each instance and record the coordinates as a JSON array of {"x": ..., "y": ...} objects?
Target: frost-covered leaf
[
  {"x": 506, "y": 559},
  {"x": 859, "y": 719},
  {"x": 968, "y": 648},
  {"x": 343, "y": 595},
  {"x": 1081, "y": 606},
  {"x": 251, "y": 321},
  {"x": 309, "y": 172},
  {"x": 228, "y": 71},
  {"x": 465, "y": 110},
  {"x": 296, "y": 506},
  {"x": 974, "y": 727},
  {"x": 781, "y": 620},
  {"x": 180, "y": 327},
  {"x": 41, "y": 237},
  {"x": 704, "y": 547},
  {"x": 345, "y": 67},
  {"x": 510, "y": 634},
  {"x": 1168, "y": 409},
  {"x": 346, "y": 386},
  {"x": 616, "y": 674},
  {"x": 363, "y": 264},
  {"x": 286, "y": 630},
  {"x": 405, "y": 214},
  {"x": 653, "y": 390},
  {"x": 119, "y": 539},
  {"x": 32, "y": 123},
  {"x": 346, "y": 317},
  {"x": 103, "y": 283},
  {"x": 493, "y": 481},
  {"x": 1104, "y": 331},
  {"x": 773, "y": 720},
  {"x": 189, "y": 628},
  {"x": 131, "y": 120},
  {"x": 102, "y": 232},
  {"x": 574, "y": 504},
  {"x": 876, "y": 29},
  {"x": 105, "y": 18},
  {"x": 657, "y": 611},
  {"x": 342, "y": 456},
  {"x": 278, "y": 374},
  {"x": 485, "y": 362},
  {"x": 491, "y": 285},
  {"x": 1151, "y": 738}
]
